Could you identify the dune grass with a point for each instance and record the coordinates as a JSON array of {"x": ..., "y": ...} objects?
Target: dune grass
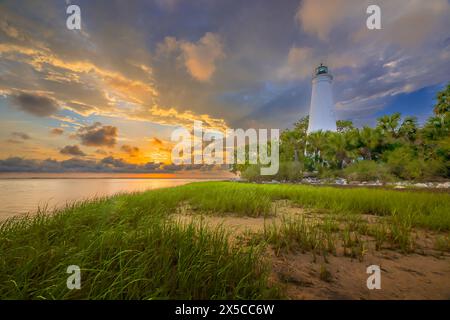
[
  {"x": 416, "y": 208},
  {"x": 300, "y": 235},
  {"x": 127, "y": 248}
]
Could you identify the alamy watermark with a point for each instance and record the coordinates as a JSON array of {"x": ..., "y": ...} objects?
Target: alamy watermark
[
  {"x": 373, "y": 22},
  {"x": 207, "y": 146},
  {"x": 374, "y": 280},
  {"x": 74, "y": 280},
  {"x": 73, "y": 21}
]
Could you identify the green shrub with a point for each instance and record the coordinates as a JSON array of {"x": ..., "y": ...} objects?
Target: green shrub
[
  {"x": 327, "y": 173},
  {"x": 252, "y": 173},
  {"x": 367, "y": 170},
  {"x": 290, "y": 171},
  {"x": 407, "y": 164}
]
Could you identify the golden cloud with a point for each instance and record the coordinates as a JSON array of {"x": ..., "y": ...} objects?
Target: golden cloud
[{"x": 117, "y": 90}]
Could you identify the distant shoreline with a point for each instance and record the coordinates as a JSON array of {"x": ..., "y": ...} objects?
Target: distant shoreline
[
  {"x": 108, "y": 177},
  {"x": 196, "y": 175}
]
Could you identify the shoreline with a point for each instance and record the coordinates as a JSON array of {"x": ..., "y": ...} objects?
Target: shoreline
[
  {"x": 112, "y": 178},
  {"x": 268, "y": 241}
]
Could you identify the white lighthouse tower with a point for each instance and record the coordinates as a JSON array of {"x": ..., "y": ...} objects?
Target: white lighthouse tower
[{"x": 321, "y": 112}]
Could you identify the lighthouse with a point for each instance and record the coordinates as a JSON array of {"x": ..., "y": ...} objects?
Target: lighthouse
[{"x": 321, "y": 112}]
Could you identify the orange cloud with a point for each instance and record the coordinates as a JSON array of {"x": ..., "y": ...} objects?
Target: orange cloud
[
  {"x": 201, "y": 57},
  {"x": 118, "y": 90}
]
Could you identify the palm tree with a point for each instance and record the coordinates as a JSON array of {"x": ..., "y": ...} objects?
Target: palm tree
[
  {"x": 434, "y": 128},
  {"x": 370, "y": 140},
  {"x": 408, "y": 129},
  {"x": 344, "y": 125},
  {"x": 337, "y": 150},
  {"x": 443, "y": 102},
  {"x": 388, "y": 124},
  {"x": 315, "y": 144},
  {"x": 291, "y": 143}
]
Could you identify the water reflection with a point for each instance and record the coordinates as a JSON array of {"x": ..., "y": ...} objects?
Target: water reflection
[{"x": 19, "y": 196}]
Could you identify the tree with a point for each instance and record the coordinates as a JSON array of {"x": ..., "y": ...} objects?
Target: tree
[
  {"x": 337, "y": 151},
  {"x": 408, "y": 129},
  {"x": 406, "y": 149},
  {"x": 389, "y": 124},
  {"x": 293, "y": 142},
  {"x": 290, "y": 144},
  {"x": 436, "y": 127},
  {"x": 316, "y": 143},
  {"x": 369, "y": 141},
  {"x": 443, "y": 102},
  {"x": 344, "y": 125},
  {"x": 302, "y": 125}
]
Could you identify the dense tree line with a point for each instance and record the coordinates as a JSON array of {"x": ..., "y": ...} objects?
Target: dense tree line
[{"x": 394, "y": 149}]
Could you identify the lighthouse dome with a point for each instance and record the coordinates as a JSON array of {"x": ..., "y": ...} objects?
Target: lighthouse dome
[{"x": 321, "y": 69}]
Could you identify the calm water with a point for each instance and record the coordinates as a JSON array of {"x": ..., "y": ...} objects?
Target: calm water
[{"x": 19, "y": 196}]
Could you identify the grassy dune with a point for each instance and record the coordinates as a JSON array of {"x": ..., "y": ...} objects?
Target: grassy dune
[{"x": 128, "y": 247}]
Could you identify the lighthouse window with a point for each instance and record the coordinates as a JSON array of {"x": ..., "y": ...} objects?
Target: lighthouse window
[{"x": 322, "y": 70}]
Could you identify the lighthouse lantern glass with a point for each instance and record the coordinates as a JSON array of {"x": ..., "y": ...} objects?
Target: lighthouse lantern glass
[{"x": 322, "y": 70}]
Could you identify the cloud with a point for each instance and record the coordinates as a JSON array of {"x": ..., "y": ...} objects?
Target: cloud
[
  {"x": 156, "y": 141},
  {"x": 98, "y": 135},
  {"x": 108, "y": 164},
  {"x": 101, "y": 152},
  {"x": 113, "y": 162},
  {"x": 370, "y": 67},
  {"x": 328, "y": 18},
  {"x": 171, "y": 116},
  {"x": 79, "y": 84},
  {"x": 72, "y": 151},
  {"x": 87, "y": 89},
  {"x": 40, "y": 106},
  {"x": 241, "y": 63},
  {"x": 56, "y": 131},
  {"x": 301, "y": 62},
  {"x": 21, "y": 135},
  {"x": 428, "y": 19},
  {"x": 89, "y": 73},
  {"x": 132, "y": 151},
  {"x": 199, "y": 58},
  {"x": 318, "y": 17},
  {"x": 298, "y": 64}
]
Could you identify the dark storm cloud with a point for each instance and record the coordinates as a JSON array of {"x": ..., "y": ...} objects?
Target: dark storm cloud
[
  {"x": 36, "y": 105},
  {"x": 108, "y": 164},
  {"x": 113, "y": 162},
  {"x": 72, "y": 151},
  {"x": 98, "y": 135}
]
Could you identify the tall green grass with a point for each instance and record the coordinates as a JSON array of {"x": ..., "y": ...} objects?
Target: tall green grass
[
  {"x": 420, "y": 209},
  {"x": 128, "y": 249},
  {"x": 300, "y": 235}
]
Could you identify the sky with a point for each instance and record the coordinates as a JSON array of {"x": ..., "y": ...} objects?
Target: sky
[{"x": 108, "y": 96}]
